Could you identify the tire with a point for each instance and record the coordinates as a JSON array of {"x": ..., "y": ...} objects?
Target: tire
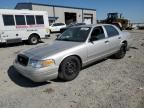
[
  {"x": 50, "y": 31},
  {"x": 121, "y": 53},
  {"x": 33, "y": 39},
  {"x": 69, "y": 68}
]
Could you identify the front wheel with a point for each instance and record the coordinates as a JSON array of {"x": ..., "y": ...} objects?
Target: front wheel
[
  {"x": 121, "y": 53},
  {"x": 33, "y": 39},
  {"x": 69, "y": 68}
]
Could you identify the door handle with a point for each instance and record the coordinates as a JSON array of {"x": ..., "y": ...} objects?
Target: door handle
[
  {"x": 119, "y": 37},
  {"x": 107, "y": 41}
]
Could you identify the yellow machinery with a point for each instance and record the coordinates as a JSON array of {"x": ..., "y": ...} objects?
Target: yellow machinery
[{"x": 116, "y": 19}]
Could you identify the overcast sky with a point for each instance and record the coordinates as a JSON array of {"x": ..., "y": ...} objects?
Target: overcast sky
[{"x": 131, "y": 9}]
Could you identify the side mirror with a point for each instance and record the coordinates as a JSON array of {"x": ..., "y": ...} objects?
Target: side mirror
[{"x": 93, "y": 38}]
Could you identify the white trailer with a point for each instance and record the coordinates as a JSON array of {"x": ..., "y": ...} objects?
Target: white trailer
[{"x": 19, "y": 25}]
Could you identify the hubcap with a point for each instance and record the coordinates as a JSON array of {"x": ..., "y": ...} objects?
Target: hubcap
[
  {"x": 34, "y": 40},
  {"x": 71, "y": 67}
]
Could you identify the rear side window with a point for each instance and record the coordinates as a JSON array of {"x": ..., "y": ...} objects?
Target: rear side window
[
  {"x": 20, "y": 20},
  {"x": 39, "y": 19},
  {"x": 30, "y": 20},
  {"x": 111, "y": 31},
  {"x": 8, "y": 20}
]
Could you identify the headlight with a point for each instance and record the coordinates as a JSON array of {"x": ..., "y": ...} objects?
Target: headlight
[{"x": 41, "y": 63}]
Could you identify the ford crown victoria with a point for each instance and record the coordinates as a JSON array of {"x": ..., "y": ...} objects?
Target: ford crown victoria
[{"x": 73, "y": 49}]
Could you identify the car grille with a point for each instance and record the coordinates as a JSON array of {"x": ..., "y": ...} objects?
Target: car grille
[{"x": 22, "y": 59}]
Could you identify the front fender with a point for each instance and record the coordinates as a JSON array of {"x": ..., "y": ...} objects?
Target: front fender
[{"x": 81, "y": 52}]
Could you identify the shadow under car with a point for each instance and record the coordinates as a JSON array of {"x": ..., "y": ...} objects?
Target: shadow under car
[{"x": 21, "y": 80}]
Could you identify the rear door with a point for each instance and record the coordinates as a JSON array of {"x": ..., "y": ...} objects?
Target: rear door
[
  {"x": 14, "y": 28},
  {"x": 114, "y": 38},
  {"x": 8, "y": 27},
  {"x": 98, "y": 44}
]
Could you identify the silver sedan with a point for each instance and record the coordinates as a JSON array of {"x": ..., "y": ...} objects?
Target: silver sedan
[{"x": 73, "y": 49}]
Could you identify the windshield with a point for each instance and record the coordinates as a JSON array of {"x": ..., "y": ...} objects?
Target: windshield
[{"x": 76, "y": 34}]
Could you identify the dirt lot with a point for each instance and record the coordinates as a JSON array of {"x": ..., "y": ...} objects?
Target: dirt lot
[{"x": 108, "y": 84}]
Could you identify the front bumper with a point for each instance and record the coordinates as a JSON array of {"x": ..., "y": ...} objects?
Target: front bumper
[{"x": 37, "y": 75}]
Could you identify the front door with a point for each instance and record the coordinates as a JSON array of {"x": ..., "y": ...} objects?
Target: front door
[{"x": 98, "y": 44}]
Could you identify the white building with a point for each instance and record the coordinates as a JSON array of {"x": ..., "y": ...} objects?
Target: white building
[{"x": 63, "y": 14}]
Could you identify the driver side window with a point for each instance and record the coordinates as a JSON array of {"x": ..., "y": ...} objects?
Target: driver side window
[{"x": 97, "y": 34}]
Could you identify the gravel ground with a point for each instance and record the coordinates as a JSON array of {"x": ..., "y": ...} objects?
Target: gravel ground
[{"x": 107, "y": 84}]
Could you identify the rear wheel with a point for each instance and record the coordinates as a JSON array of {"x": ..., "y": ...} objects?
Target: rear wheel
[
  {"x": 121, "y": 53},
  {"x": 69, "y": 68},
  {"x": 33, "y": 39}
]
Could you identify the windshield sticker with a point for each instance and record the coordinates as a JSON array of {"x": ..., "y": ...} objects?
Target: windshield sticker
[{"x": 84, "y": 29}]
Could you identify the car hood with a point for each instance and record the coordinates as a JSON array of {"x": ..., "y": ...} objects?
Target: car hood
[{"x": 47, "y": 50}]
